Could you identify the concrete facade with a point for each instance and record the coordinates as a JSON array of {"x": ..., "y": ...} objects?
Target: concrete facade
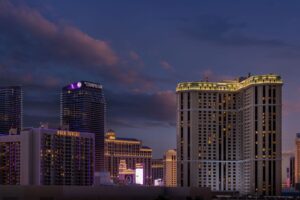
[
  {"x": 229, "y": 134},
  {"x": 170, "y": 168},
  {"x": 48, "y": 157}
]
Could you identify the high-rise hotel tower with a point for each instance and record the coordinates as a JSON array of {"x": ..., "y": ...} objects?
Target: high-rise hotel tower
[
  {"x": 229, "y": 134},
  {"x": 297, "y": 159},
  {"x": 170, "y": 168},
  {"x": 11, "y": 109},
  {"x": 83, "y": 110}
]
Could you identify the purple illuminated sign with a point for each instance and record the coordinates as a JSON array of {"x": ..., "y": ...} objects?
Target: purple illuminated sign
[{"x": 74, "y": 86}]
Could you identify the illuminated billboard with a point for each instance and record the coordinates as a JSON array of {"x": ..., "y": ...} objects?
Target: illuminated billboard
[
  {"x": 158, "y": 182},
  {"x": 139, "y": 173}
]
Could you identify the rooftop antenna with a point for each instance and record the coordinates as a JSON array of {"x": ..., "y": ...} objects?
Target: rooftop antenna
[{"x": 206, "y": 78}]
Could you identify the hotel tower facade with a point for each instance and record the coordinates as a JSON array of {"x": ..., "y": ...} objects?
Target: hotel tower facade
[
  {"x": 83, "y": 109},
  {"x": 229, "y": 135},
  {"x": 39, "y": 156},
  {"x": 170, "y": 168},
  {"x": 11, "y": 109}
]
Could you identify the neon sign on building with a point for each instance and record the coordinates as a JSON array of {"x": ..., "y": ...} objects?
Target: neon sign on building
[{"x": 68, "y": 133}]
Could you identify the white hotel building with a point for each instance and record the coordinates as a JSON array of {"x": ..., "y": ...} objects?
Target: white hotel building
[
  {"x": 40, "y": 156},
  {"x": 229, "y": 134}
]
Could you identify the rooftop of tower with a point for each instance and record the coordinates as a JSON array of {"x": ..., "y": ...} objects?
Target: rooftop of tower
[
  {"x": 230, "y": 85},
  {"x": 82, "y": 84}
]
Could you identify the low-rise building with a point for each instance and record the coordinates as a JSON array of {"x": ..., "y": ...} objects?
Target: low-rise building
[
  {"x": 40, "y": 156},
  {"x": 129, "y": 150}
]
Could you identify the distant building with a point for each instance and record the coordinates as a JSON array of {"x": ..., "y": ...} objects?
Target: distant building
[
  {"x": 11, "y": 109},
  {"x": 292, "y": 171},
  {"x": 129, "y": 150},
  {"x": 125, "y": 176},
  {"x": 157, "y": 167},
  {"x": 10, "y": 160},
  {"x": 83, "y": 109},
  {"x": 41, "y": 156},
  {"x": 170, "y": 168},
  {"x": 286, "y": 170},
  {"x": 297, "y": 159},
  {"x": 229, "y": 134}
]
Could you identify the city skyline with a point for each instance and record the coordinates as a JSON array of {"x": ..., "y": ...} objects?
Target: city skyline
[{"x": 140, "y": 51}]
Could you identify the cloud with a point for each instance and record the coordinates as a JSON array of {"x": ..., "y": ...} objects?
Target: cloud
[
  {"x": 134, "y": 56},
  {"x": 127, "y": 109},
  {"x": 290, "y": 107},
  {"x": 159, "y": 107},
  {"x": 30, "y": 40},
  {"x": 133, "y": 109},
  {"x": 49, "y": 40},
  {"x": 44, "y": 55},
  {"x": 225, "y": 31},
  {"x": 135, "y": 61},
  {"x": 165, "y": 65}
]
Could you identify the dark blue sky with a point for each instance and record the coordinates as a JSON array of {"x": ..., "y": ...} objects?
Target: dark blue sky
[{"x": 139, "y": 50}]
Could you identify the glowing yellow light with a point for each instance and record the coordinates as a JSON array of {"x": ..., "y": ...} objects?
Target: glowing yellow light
[
  {"x": 68, "y": 133},
  {"x": 231, "y": 86},
  {"x": 122, "y": 141}
]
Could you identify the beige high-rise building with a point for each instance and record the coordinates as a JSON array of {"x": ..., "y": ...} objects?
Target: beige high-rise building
[
  {"x": 297, "y": 159},
  {"x": 229, "y": 134},
  {"x": 170, "y": 168}
]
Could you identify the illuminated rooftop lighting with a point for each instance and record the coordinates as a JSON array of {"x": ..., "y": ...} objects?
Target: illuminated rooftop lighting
[{"x": 229, "y": 86}]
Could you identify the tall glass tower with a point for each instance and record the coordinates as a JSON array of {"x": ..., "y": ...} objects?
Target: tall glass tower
[
  {"x": 11, "y": 109},
  {"x": 83, "y": 109}
]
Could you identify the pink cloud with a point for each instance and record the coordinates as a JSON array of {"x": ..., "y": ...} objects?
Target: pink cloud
[
  {"x": 134, "y": 56},
  {"x": 51, "y": 81},
  {"x": 27, "y": 78},
  {"x": 139, "y": 83},
  {"x": 137, "y": 60},
  {"x": 92, "y": 50},
  {"x": 290, "y": 107},
  {"x": 27, "y": 18},
  {"x": 165, "y": 65},
  {"x": 61, "y": 43},
  {"x": 167, "y": 100}
]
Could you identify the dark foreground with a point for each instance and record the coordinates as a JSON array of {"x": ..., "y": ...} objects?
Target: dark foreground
[{"x": 102, "y": 193}]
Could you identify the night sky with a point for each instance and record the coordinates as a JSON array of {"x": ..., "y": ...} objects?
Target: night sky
[{"x": 139, "y": 50}]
